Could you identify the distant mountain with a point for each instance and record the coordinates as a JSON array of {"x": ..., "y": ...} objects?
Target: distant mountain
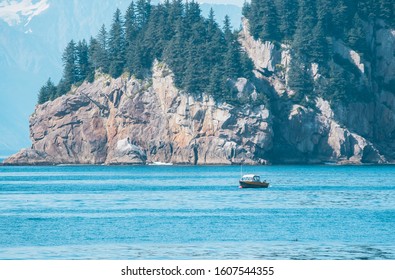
[
  {"x": 33, "y": 34},
  {"x": 21, "y": 12}
]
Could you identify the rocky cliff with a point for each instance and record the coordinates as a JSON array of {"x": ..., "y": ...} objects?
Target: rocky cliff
[
  {"x": 324, "y": 131},
  {"x": 129, "y": 121}
]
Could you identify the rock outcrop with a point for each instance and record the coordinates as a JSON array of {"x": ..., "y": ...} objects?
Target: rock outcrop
[
  {"x": 129, "y": 121},
  {"x": 353, "y": 133}
]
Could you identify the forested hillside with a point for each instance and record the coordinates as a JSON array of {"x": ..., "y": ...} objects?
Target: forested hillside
[
  {"x": 310, "y": 28},
  {"x": 303, "y": 81},
  {"x": 201, "y": 54}
]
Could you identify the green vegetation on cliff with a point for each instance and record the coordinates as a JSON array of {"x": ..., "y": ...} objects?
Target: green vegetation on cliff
[
  {"x": 312, "y": 28},
  {"x": 201, "y": 54}
]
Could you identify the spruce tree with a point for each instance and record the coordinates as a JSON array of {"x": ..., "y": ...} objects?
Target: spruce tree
[
  {"x": 62, "y": 88},
  {"x": 116, "y": 46},
  {"x": 227, "y": 29},
  {"x": 136, "y": 61},
  {"x": 176, "y": 13},
  {"x": 299, "y": 79},
  {"x": 192, "y": 79},
  {"x": 217, "y": 83},
  {"x": 232, "y": 52},
  {"x": 143, "y": 11},
  {"x": 287, "y": 14},
  {"x": 175, "y": 53},
  {"x": 356, "y": 36},
  {"x": 246, "y": 66},
  {"x": 339, "y": 19},
  {"x": 306, "y": 21},
  {"x": 232, "y": 62},
  {"x": 337, "y": 89},
  {"x": 324, "y": 14},
  {"x": 70, "y": 72},
  {"x": 215, "y": 43},
  {"x": 83, "y": 67},
  {"x": 101, "y": 56},
  {"x": 386, "y": 8},
  {"x": 255, "y": 19},
  {"x": 319, "y": 45},
  {"x": 47, "y": 92},
  {"x": 270, "y": 31},
  {"x": 246, "y": 11},
  {"x": 131, "y": 29},
  {"x": 92, "y": 59}
]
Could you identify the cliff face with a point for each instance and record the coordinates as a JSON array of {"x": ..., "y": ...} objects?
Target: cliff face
[
  {"x": 128, "y": 121},
  {"x": 353, "y": 132}
]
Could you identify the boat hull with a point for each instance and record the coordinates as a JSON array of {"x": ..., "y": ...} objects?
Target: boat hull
[{"x": 253, "y": 185}]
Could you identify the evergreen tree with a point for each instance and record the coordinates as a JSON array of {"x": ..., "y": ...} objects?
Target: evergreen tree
[
  {"x": 319, "y": 45},
  {"x": 264, "y": 20},
  {"x": 217, "y": 83},
  {"x": 100, "y": 55},
  {"x": 227, "y": 29},
  {"x": 155, "y": 37},
  {"x": 196, "y": 66},
  {"x": 255, "y": 16},
  {"x": 232, "y": 61},
  {"x": 287, "y": 13},
  {"x": 70, "y": 72},
  {"x": 191, "y": 80},
  {"x": 92, "y": 60},
  {"x": 324, "y": 15},
  {"x": 131, "y": 29},
  {"x": 306, "y": 21},
  {"x": 339, "y": 19},
  {"x": 176, "y": 13},
  {"x": 299, "y": 79},
  {"x": 62, "y": 88},
  {"x": 386, "y": 11},
  {"x": 47, "y": 92},
  {"x": 246, "y": 11},
  {"x": 136, "y": 63},
  {"x": 116, "y": 46},
  {"x": 366, "y": 9},
  {"x": 175, "y": 53},
  {"x": 337, "y": 88},
  {"x": 246, "y": 66},
  {"x": 356, "y": 36},
  {"x": 83, "y": 67},
  {"x": 215, "y": 43},
  {"x": 270, "y": 31},
  {"x": 143, "y": 11}
]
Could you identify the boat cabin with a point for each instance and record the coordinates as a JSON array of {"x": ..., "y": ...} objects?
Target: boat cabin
[{"x": 251, "y": 178}]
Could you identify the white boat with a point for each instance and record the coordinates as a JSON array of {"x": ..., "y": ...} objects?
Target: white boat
[{"x": 160, "y": 163}]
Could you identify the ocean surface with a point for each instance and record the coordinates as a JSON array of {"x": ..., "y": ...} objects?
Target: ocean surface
[{"x": 178, "y": 212}]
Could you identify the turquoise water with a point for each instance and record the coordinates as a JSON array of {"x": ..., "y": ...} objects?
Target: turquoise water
[{"x": 175, "y": 212}]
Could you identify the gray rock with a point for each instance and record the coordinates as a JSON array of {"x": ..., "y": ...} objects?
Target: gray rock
[{"x": 127, "y": 121}]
